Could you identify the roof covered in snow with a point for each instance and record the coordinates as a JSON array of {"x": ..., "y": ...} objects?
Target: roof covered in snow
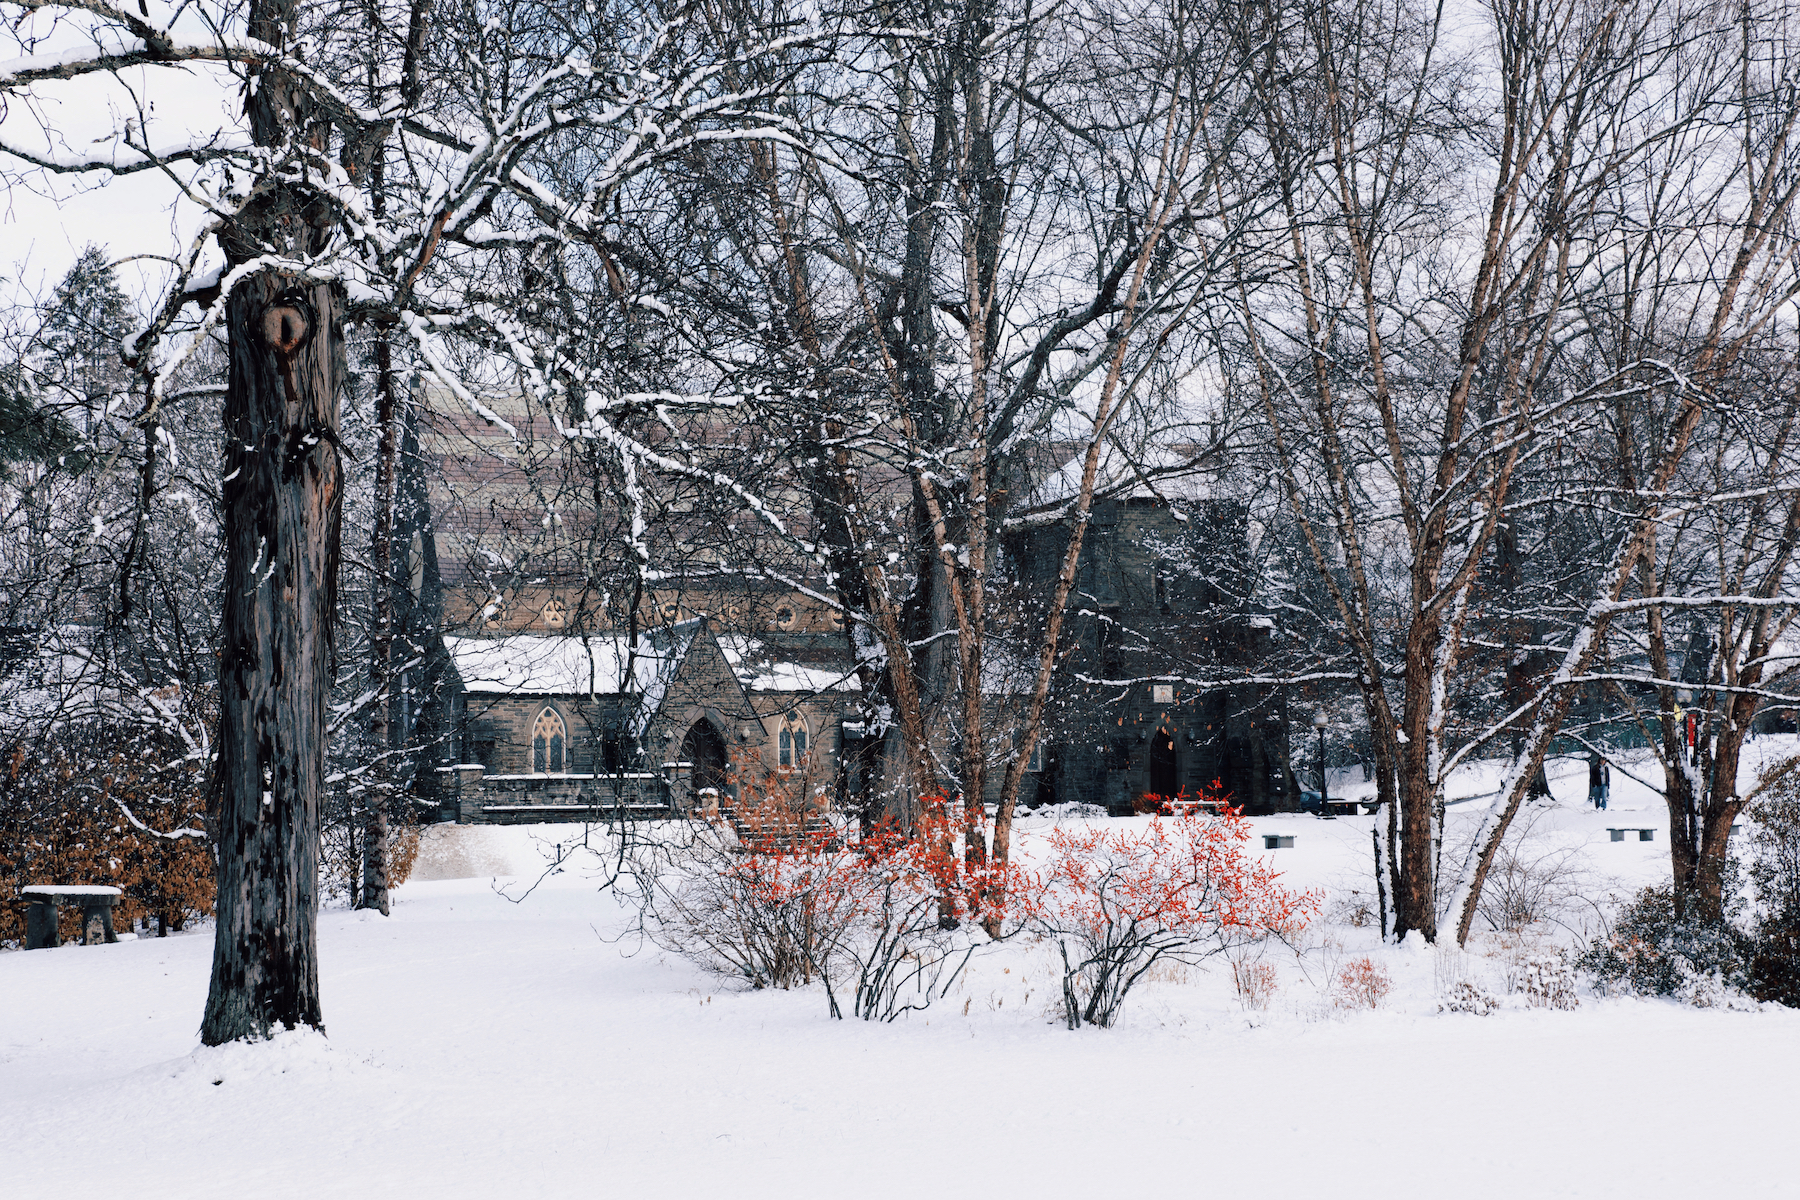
[
  {"x": 570, "y": 665},
  {"x": 789, "y": 664}
]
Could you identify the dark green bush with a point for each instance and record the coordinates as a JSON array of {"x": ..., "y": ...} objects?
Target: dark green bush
[
  {"x": 1655, "y": 949},
  {"x": 1775, "y": 871},
  {"x": 1775, "y": 962}
]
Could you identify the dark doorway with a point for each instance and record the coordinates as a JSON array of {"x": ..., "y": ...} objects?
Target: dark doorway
[
  {"x": 705, "y": 749},
  {"x": 1165, "y": 779},
  {"x": 1233, "y": 769}
]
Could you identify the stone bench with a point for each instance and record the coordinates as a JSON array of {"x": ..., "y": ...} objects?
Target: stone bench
[
  {"x": 43, "y": 909},
  {"x": 1278, "y": 841},
  {"x": 1644, "y": 834},
  {"x": 1335, "y": 806},
  {"x": 1181, "y": 806}
]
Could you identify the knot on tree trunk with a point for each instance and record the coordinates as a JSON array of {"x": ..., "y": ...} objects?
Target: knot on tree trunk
[{"x": 287, "y": 323}]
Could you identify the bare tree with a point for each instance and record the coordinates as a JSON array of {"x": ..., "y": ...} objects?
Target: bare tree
[
  {"x": 1700, "y": 650},
  {"x": 1718, "y": 188},
  {"x": 1426, "y": 369},
  {"x": 990, "y": 257},
  {"x": 311, "y": 237}
]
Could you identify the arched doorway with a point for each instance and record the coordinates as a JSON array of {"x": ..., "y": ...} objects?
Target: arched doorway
[
  {"x": 1165, "y": 777},
  {"x": 705, "y": 749}
]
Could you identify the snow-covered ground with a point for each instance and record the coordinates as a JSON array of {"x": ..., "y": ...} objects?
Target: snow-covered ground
[{"x": 483, "y": 1048}]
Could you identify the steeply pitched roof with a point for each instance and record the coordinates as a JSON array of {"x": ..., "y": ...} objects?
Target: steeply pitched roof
[
  {"x": 790, "y": 663},
  {"x": 571, "y": 665}
]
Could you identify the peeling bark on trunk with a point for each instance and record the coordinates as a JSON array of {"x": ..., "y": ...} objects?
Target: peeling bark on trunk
[
  {"x": 276, "y": 671},
  {"x": 282, "y": 497}
]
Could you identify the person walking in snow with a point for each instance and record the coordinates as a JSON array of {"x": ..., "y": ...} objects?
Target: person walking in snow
[
  {"x": 1595, "y": 767},
  {"x": 1605, "y": 783}
]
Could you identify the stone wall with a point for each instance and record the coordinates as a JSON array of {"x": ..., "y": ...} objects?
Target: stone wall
[{"x": 473, "y": 797}]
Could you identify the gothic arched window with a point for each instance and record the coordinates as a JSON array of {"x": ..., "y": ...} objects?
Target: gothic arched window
[
  {"x": 793, "y": 742},
  {"x": 549, "y": 744}
]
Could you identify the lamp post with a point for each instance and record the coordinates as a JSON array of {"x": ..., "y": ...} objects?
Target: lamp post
[{"x": 1319, "y": 723}]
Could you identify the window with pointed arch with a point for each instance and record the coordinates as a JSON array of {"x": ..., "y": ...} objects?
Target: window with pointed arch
[
  {"x": 549, "y": 744},
  {"x": 792, "y": 742}
]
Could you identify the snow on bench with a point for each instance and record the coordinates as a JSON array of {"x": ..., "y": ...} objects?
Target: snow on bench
[
  {"x": 1184, "y": 804},
  {"x": 1278, "y": 841},
  {"x": 1644, "y": 834},
  {"x": 44, "y": 901}
]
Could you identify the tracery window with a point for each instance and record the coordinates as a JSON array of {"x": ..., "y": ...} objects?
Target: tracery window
[
  {"x": 792, "y": 742},
  {"x": 549, "y": 744}
]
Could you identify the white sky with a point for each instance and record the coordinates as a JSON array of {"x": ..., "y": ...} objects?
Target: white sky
[{"x": 46, "y": 219}]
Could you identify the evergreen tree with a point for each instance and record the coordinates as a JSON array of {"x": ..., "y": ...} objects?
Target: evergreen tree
[
  {"x": 53, "y": 399},
  {"x": 29, "y": 432},
  {"x": 88, "y": 316}
]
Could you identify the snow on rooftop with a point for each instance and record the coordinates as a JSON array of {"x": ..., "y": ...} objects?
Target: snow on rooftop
[
  {"x": 761, "y": 670},
  {"x": 564, "y": 664}
]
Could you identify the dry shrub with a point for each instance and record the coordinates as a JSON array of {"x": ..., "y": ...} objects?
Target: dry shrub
[
  {"x": 1361, "y": 983},
  {"x": 1466, "y": 997},
  {"x": 1355, "y": 908},
  {"x": 895, "y": 914},
  {"x": 66, "y": 818},
  {"x": 341, "y": 850},
  {"x": 1169, "y": 972},
  {"x": 1457, "y": 993},
  {"x": 1539, "y": 880},
  {"x": 1536, "y": 970},
  {"x": 404, "y": 843},
  {"x": 1548, "y": 981},
  {"x": 1256, "y": 984},
  {"x": 1117, "y": 903}
]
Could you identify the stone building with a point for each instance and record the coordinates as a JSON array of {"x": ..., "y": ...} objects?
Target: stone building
[
  {"x": 1162, "y": 627},
  {"x": 554, "y": 724},
  {"x": 563, "y": 726},
  {"x": 741, "y": 682}
]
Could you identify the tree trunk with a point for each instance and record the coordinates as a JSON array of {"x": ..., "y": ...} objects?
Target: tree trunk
[
  {"x": 374, "y": 891},
  {"x": 1415, "y": 893},
  {"x": 282, "y": 496}
]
